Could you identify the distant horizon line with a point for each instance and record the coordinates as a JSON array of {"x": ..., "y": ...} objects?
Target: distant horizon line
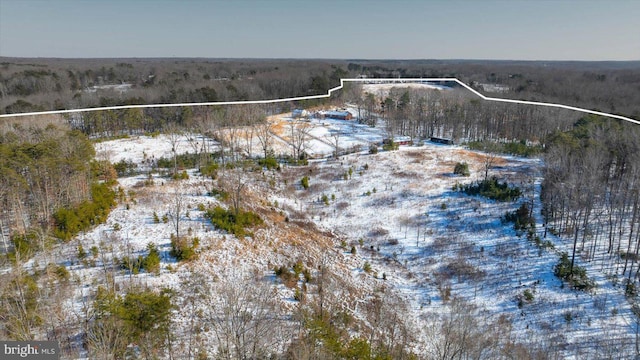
[
  {"x": 311, "y": 58},
  {"x": 327, "y": 95}
]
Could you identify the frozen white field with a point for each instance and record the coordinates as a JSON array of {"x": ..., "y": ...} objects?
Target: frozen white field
[{"x": 425, "y": 242}]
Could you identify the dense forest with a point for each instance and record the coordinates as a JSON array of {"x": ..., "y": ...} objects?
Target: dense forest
[
  {"x": 53, "y": 188},
  {"x": 591, "y": 194},
  {"x": 46, "y": 84},
  {"x": 49, "y": 180},
  {"x": 458, "y": 115}
]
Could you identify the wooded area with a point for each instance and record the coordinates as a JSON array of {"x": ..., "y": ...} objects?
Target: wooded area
[
  {"x": 52, "y": 188},
  {"x": 44, "y": 172},
  {"x": 591, "y": 193},
  {"x": 47, "y": 84}
]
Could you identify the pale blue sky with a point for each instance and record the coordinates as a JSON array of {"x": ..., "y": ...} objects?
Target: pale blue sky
[{"x": 404, "y": 29}]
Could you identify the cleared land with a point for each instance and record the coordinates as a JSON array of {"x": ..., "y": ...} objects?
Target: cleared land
[{"x": 423, "y": 241}]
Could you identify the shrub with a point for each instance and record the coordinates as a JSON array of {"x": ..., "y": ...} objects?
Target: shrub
[
  {"x": 307, "y": 275},
  {"x": 390, "y": 145},
  {"x": 296, "y": 162},
  {"x": 630, "y": 289},
  {"x": 183, "y": 249},
  {"x": 149, "y": 180},
  {"x": 519, "y": 148},
  {"x": 461, "y": 168},
  {"x": 103, "y": 171},
  {"x": 373, "y": 149},
  {"x": 366, "y": 267},
  {"x": 81, "y": 253},
  {"x": 305, "y": 182},
  {"x": 270, "y": 163},
  {"x": 151, "y": 262},
  {"x": 183, "y": 161},
  {"x": 133, "y": 264},
  {"x": 629, "y": 255},
  {"x": 180, "y": 176},
  {"x": 528, "y": 295},
  {"x": 289, "y": 279},
  {"x": 492, "y": 189},
  {"x": 547, "y": 244},
  {"x": 125, "y": 168},
  {"x": 280, "y": 270},
  {"x": 94, "y": 251},
  {"x": 325, "y": 199},
  {"x": 210, "y": 170},
  {"x": 521, "y": 218},
  {"x": 568, "y": 316},
  {"x": 522, "y": 149},
  {"x": 220, "y": 194},
  {"x": 578, "y": 279},
  {"x": 242, "y": 164},
  {"x": 445, "y": 293},
  {"x": 231, "y": 222},
  {"x": 61, "y": 272},
  {"x": 298, "y": 267},
  {"x": 69, "y": 221},
  {"x": 143, "y": 315}
]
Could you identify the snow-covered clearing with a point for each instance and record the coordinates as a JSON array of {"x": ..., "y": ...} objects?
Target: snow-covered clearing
[
  {"x": 320, "y": 136},
  {"x": 382, "y": 90},
  {"x": 426, "y": 238},
  {"x": 144, "y": 150},
  {"x": 424, "y": 241}
]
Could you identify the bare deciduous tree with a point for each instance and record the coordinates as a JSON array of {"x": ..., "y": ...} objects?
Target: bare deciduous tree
[
  {"x": 233, "y": 182},
  {"x": 299, "y": 134},
  {"x": 242, "y": 315},
  {"x": 463, "y": 333},
  {"x": 177, "y": 208},
  {"x": 389, "y": 333},
  {"x": 264, "y": 133},
  {"x": 106, "y": 337},
  {"x": 334, "y": 138},
  {"x": 174, "y": 133}
]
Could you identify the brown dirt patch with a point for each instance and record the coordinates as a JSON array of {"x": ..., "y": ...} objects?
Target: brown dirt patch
[{"x": 480, "y": 158}]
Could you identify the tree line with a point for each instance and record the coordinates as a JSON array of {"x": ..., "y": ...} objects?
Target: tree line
[
  {"x": 48, "y": 179},
  {"x": 591, "y": 193},
  {"x": 45, "y": 174},
  {"x": 37, "y": 84},
  {"x": 457, "y": 115},
  {"x": 46, "y": 84}
]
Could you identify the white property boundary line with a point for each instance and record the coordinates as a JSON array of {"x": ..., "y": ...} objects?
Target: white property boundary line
[{"x": 328, "y": 94}]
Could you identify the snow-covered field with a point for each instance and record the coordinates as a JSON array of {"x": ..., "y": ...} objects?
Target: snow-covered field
[
  {"x": 424, "y": 241},
  {"x": 422, "y": 233},
  {"x": 144, "y": 150},
  {"x": 382, "y": 90}
]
